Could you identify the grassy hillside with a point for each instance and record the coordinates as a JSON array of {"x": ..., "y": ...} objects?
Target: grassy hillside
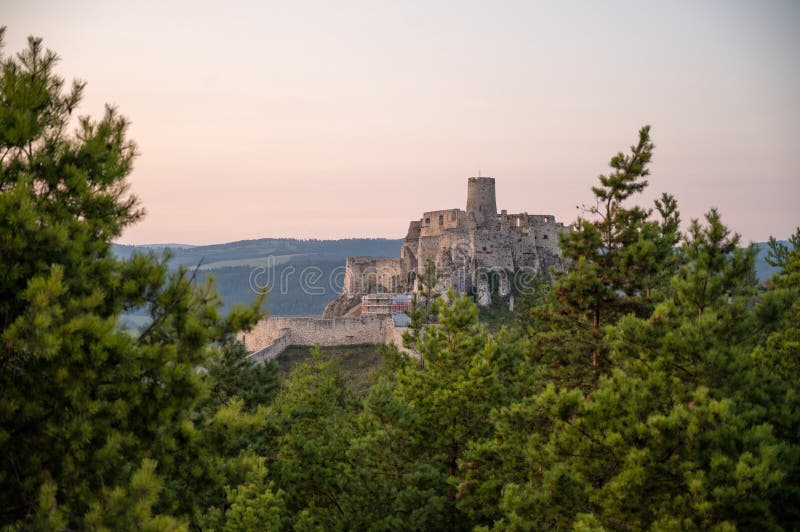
[{"x": 359, "y": 365}]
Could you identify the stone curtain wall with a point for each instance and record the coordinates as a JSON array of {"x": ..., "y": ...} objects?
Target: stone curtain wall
[
  {"x": 337, "y": 331},
  {"x": 272, "y": 335},
  {"x": 275, "y": 348},
  {"x": 260, "y": 336}
]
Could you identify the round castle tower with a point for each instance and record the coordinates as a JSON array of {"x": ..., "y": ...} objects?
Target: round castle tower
[{"x": 481, "y": 202}]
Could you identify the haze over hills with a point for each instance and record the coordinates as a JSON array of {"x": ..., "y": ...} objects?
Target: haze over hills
[
  {"x": 218, "y": 255},
  {"x": 304, "y": 275}
]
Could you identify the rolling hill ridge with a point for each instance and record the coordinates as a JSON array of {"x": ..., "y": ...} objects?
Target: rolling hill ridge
[{"x": 304, "y": 275}]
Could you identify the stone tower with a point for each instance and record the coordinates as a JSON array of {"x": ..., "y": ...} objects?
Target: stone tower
[{"x": 481, "y": 202}]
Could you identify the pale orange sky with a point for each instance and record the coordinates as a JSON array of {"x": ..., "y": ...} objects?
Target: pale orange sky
[{"x": 348, "y": 119}]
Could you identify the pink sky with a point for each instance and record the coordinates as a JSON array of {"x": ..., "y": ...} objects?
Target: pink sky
[{"x": 348, "y": 119}]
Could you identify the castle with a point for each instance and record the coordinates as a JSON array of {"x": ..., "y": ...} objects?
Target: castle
[{"x": 468, "y": 247}]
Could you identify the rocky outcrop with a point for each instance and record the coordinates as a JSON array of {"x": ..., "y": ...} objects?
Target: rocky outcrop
[{"x": 341, "y": 305}]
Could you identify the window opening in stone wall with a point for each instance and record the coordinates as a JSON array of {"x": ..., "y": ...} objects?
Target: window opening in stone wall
[
  {"x": 427, "y": 221},
  {"x": 441, "y": 220}
]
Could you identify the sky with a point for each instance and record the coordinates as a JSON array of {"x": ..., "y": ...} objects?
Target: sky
[{"x": 349, "y": 119}]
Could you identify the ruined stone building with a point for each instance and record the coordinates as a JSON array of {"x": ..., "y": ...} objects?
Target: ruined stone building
[{"x": 468, "y": 247}]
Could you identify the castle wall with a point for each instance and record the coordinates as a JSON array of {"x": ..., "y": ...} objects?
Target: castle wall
[
  {"x": 427, "y": 250},
  {"x": 313, "y": 330},
  {"x": 261, "y": 335},
  {"x": 517, "y": 223},
  {"x": 275, "y": 348},
  {"x": 396, "y": 337},
  {"x": 435, "y": 223},
  {"x": 271, "y": 336},
  {"x": 365, "y": 275},
  {"x": 492, "y": 250},
  {"x": 336, "y": 331},
  {"x": 413, "y": 231},
  {"x": 546, "y": 230},
  {"x": 525, "y": 251}
]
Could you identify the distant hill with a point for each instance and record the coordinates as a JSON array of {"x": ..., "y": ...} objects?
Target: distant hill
[
  {"x": 764, "y": 270},
  {"x": 125, "y": 251},
  {"x": 305, "y": 274},
  {"x": 257, "y": 250}
]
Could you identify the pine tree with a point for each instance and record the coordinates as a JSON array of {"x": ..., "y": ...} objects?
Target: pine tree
[
  {"x": 603, "y": 251},
  {"x": 716, "y": 266},
  {"x": 232, "y": 373},
  {"x": 787, "y": 260},
  {"x": 422, "y": 304},
  {"x": 453, "y": 393},
  {"x": 688, "y": 431},
  {"x": 310, "y": 424},
  {"x": 91, "y": 417},
  {"x": 620, "y": 261},
  {"x": 779, "y": 310}
]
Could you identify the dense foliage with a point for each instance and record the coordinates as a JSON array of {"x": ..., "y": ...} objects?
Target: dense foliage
[{"x": 655, "y": 386}]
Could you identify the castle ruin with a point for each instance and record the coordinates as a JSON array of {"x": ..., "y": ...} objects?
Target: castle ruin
[{"x": 466, "y": 246}]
